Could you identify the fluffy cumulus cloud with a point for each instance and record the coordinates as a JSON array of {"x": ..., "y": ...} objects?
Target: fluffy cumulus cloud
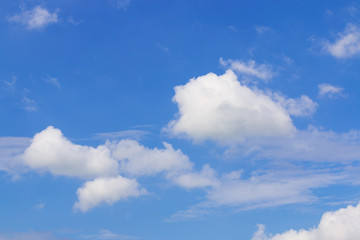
[
  {"x": 108, "y": 191},
  {"x": 342, "y": 224},
  {"x": 51, "y": 151},
  {"x": 330, "y": 91},
  {"x": 222, "y": 109},
  {"x": 249, "y": 68},
  {"x": 137, "y": 160},
  {"x": 36, "y": 18},
  {"x": 347, "y": 44}
]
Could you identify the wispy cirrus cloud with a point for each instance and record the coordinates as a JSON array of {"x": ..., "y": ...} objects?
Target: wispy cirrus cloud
[{"x": 330, "y": 91}]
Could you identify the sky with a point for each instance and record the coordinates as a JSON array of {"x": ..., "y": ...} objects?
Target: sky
[{"x": 134, "y": 119}]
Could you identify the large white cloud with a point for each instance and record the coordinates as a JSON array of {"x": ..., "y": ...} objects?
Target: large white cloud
[
  {"x": 106, "y": 190},
  {"x": 342, "y": 224},
  {"x": 51, "y": 151},
  {"x": 36, "y": 18},
  {"x": 138, "y": 160},
  {"x": 347, "y": 45},
  {"x": 222, "y": 109}
]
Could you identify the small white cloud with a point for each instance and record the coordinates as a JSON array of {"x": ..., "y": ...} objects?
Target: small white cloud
[
  {"x": 123, "y": 4},
  {"x": 250, "y": 68},
  {"x": 262, "y": 29},
  {"x": 347, "y": 45},
  {"x": 162, "y": 47},
  {"x": 52, "y": 80},
  {"x": 132, "y": 134},
  {"x": 36, "y": 18},
  {"x": 338, "y": 225},
  {"x": 108, "y": 191},
  {"x": 330, "y": 91},
  {"x": 222, "y": 109},
  {"x": 30, "y": 105},
  {"x": 302, "y": 106},
  {"x": 39, "y": 206}
]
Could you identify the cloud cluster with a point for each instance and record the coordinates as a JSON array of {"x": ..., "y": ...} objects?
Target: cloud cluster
[
  {"x": 347, "y": 44},
  {"x": 36, "y": 18},
  {"x": 102, "y": 166},
  {"x": 338, "y": 225}
]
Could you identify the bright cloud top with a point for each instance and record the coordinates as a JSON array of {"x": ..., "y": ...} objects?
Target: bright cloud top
[
  {"x": 222, "y": 109},
  {"x": 347, "y": 45},
  {"x": 250, "y": 68},
  {"x": 51, "y": 151},
  {"x": 107, "y": 190},
  {"x": 330, "y": 91},
  {"x": 36, "y": 18},
  {"x": 342, "y": 224}
]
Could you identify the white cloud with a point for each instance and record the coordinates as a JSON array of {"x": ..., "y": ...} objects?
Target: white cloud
[
  {"x": 272, "y": 188},
  {"x": 36, "y": 18},
  {"x": 262, "y": 29},
  {"x": 105, "y": 234},
  {"x": 302, "y": 106},
  {"x": 108, "y": 191},
  {"x": 123, "y": 4},
  {"x": 250, "y": 68},
  {"x": 137, "y": 160},
  {"x": 10, "y": 150},
  {"x": 52, "y": 80},
  {"x": 30, "y": 105},
  {"x": 342, "y": 224},
  {"x": 330, "y": 91},
  {"x": 347, "y": 45},
  {"x": 31, "y": 236},
  {"x": 205, "y": 178},
  {"x": 132, "y": 134},
  {"x": 311, "y": 145},
  {"x": 51, "y": 151},
  {"x": 222, "y": 109}
]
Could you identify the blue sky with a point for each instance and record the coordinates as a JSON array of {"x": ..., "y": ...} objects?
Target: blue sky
[{"x": 132, "y": 119}]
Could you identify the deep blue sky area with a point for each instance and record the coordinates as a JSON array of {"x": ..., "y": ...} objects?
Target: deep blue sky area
[{"x": 134, "y": 119}]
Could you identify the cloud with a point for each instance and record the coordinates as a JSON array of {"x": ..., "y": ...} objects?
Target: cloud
[
  {"x": 337, "y": 225},
  {"x": 106, "y": 190},
  {"x": 302, "y": 106},
  {"x": 105, "y": 234},
  {"x": 269, "y": 188},
  {"x": 52, "y": 80},
  {"x": 36, "y": 18},
  {"x": 330, "y": 91},
  {"x": 262, "y": 29},
  {"x": 347, "y": 44},
  {"x": 30, "y": 105},
  {"x": 132, "y": 134},
  {"x": 51, "y": 151},
  {"x": 205, "y": 178},
  {"x": 250, "y": 68},
  {"x": 123, "y": 4},
  {"x": 10, "y": 150},
  {"x": 137, "y": 160},
  {"x": 30, "y": 236},
  {"x": 222, "y": 109},
  {"x": 312, "y": 145}
]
